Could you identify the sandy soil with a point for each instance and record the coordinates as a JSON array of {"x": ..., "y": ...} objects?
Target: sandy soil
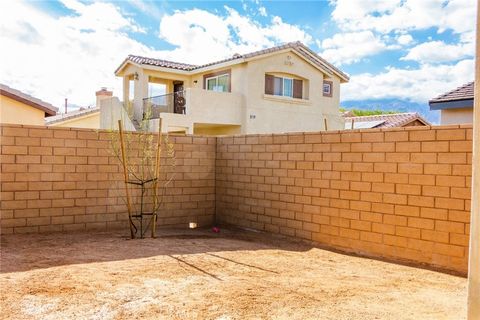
[{"x": 201, "y": 275}]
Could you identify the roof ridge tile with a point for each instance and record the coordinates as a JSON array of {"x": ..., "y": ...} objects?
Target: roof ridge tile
[{"x": 298, "y": 46}]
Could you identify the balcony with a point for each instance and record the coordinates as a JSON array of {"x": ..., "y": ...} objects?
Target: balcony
[
  {"x": 167, "y": 103},
  {"x": 195, "y": 107}
]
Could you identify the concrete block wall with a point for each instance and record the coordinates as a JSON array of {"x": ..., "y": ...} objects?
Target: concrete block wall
[
  {"x": 60, "y": 179},
  {"x": 401, "y": 193}
]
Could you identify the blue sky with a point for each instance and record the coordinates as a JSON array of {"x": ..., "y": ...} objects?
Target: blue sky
[{"x": 405, "y": 49}]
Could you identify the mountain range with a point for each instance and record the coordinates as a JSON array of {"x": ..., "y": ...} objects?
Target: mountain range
[{"x": 398, "y": 105}]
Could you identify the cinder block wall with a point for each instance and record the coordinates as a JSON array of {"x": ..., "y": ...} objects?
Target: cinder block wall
[
  {"x": 59, "y": 179},
  {"x": 396, "y": 193},
  {"x": 399, "y": 193}
]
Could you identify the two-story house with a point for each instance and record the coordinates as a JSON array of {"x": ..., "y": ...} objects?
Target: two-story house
[{"x": 282, "y": 89}]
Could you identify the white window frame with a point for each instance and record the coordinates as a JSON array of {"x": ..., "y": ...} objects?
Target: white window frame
[
  {"x": 216, "y": 80},
  {"x": 291, "y": 88},
  {"x": 283, "y": 86},
  {"x": 330, "y": 86}
]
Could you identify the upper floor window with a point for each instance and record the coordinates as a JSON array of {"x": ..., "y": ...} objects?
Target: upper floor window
[
  {"x": 327, "y": 88},
  {"x": 283, "y": 86},
  {"x": 219, "y": 82}
]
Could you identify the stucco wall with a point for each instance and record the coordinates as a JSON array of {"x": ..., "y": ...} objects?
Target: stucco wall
[
  {"x": 208, "y": 130},
  {"x": 112, "y": 110},
  {"x": 90, "y": 121},
  {"x": 278, "y": 114},
  {"x": 13, "y": 111},
  {"x": 215, "y": 107},
  {"x": 261, "y": 113},
  {"x": 456, "y": 116}
]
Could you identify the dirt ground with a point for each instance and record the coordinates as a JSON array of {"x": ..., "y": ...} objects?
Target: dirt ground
[{"x": 201, "y": 275}]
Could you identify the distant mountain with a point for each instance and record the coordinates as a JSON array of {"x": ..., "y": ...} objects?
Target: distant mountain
[{"x": 394, "y": 105}]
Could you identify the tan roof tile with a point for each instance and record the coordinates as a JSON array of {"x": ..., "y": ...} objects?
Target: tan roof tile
[
  {"x": 299, "y": 47},
  {"x": 161, "y": 63},
  {"x": 71, "y": 115},
  {"x": 388, "y": 120}
]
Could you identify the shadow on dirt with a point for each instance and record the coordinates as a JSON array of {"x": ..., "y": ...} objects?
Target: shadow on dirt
[{"x": 38, "y": 251}]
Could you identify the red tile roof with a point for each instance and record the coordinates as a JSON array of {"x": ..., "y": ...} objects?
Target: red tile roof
[
  {"x": 464, "y": 92},
  {"x": 388, "y": 120},
  {"x": 299, "y": 47},
  {"x": 27, "y": 99}
]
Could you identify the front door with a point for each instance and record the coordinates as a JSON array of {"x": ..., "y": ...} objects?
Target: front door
[{"x": 178, "y": 98}]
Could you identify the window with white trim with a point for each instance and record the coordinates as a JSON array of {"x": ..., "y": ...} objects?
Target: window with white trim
[
  {"x": 218, "y": 83},
  {"x": 327, "y": 88},
  {"x": 283, "y": 86}
]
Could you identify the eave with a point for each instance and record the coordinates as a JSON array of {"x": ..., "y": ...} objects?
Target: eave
[{"x": 455, "y": 104}]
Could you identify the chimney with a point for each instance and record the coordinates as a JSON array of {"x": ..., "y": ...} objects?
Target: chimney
[
  {"x": 66, "y": 105},
  {"x": 102, "y": 94}
]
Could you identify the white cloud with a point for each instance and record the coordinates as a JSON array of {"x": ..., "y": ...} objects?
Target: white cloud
[
  {"x": 201, "y": 36},
  {"x": 93, "y": 17},
  {"x": 459, "y": 15},
  {"x": 66, "y": 57},
  {"x": 418, "y": 85},
  {"x": 387, "y": 16},
  {"x": 439, "y": 51},
  {"x": 262, "y": 11},
  {"x": 74, "y": 55},
  {"x": 248, "y": 32},
  {"x": 404, "y": 39},
  {"x": 147, "y": 7},
  {"x": 285, "y": 32},
  {"x": 346, "y": 10},
  {"x": 442, "y": 66},
  {"x": 351, "y": 47}
]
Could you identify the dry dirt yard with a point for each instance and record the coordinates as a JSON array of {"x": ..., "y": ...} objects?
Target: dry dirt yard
[{"x": 201, "y": 275}]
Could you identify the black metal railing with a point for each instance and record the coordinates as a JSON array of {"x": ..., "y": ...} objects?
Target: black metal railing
[{"x": 169, "y": 103}]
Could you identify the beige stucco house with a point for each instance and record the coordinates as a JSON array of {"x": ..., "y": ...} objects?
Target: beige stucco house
[
  {"x": 281, "y": 89},
  {"x": 88, "y": 118},
  {"x": 456, "y": 106},
  {"x": 17, "y": 107}
]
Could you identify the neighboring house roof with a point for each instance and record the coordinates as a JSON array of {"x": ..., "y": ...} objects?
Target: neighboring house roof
[
  {"x": 298, "y": 47},
  {"x": 24, "y": 98},
  {"x": 384, "y": 121},
  {"x": 461, "y": 97},
  {"x": 71, "y": 115}
]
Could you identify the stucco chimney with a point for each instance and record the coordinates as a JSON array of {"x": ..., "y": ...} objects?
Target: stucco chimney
[{"x": 102, "y": 94}]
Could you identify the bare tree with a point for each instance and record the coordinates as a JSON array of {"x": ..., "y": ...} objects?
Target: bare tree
[{"x": 148, "y": 163}]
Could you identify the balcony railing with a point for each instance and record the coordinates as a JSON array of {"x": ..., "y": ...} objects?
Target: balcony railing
[{"x": 166, "y": 103}]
